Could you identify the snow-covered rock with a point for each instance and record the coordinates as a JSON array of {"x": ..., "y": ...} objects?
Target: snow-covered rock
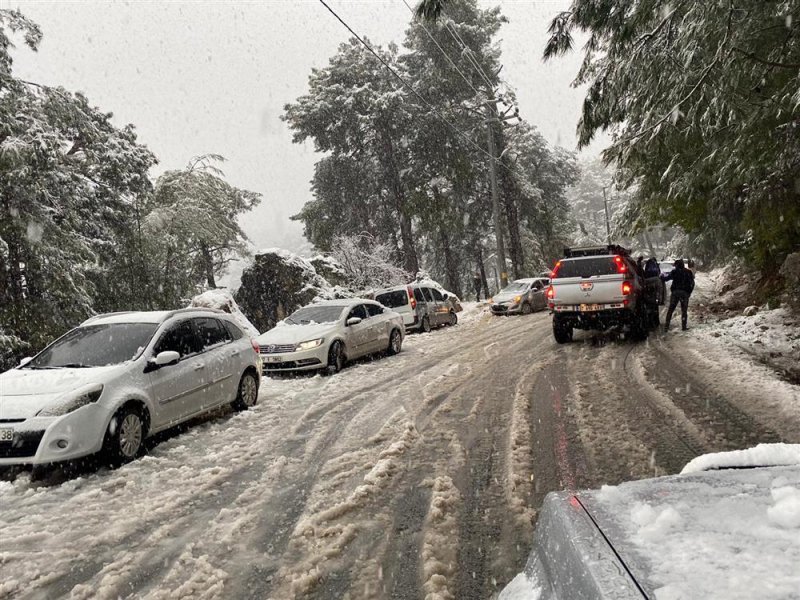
[
  {"x": 750, "y": 311},
  {"x": 278, "y": 283},
  {"x": 222, "y": 299}
]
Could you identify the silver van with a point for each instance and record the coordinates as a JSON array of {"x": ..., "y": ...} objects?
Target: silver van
[{"x": 422, "y": 307}]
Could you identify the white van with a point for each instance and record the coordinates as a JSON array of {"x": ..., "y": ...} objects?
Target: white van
[{"x": 422, "y": 307}]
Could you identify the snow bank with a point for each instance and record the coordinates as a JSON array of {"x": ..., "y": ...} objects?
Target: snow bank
[
  {"x": 763, "y": 455},
  {"x": 223, "y": 300}
]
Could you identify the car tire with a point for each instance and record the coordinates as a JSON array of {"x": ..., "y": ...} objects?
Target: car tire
[
  {"x": 638, "y": 327},
  {"x": 426, "y": 325},
  {"x": 336, "y": 358},
  {"x": 562, "y": 332},
  {"x": 525, "y": 309},
  {"x": 395, "y": 342},
  {"x": 453, "y": 319},
  {"x": 247, "y": 394},
  {"x": 124, "y": 439}
]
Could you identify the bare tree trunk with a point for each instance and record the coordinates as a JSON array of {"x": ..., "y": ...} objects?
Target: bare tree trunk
[
  {"x": 479, "y": 259},
  {"x": 208, "y": 267},
  {"x": 410, "y": 261},
  {"x": 450, "y": 264}
]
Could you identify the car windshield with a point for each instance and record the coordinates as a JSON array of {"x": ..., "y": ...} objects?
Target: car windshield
[
  {"x": 96, "y": 346},
  {"x": 315, "y": 314},
  {"x": 516, "y": 286},
  {"x": 393, "y": 299}
]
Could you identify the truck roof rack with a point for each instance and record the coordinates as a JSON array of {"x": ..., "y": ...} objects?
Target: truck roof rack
[{"x": 596, "y": 251}]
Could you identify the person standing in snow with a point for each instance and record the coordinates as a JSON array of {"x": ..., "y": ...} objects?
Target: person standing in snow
[
  {"x": 682, "y": 287},
  {"x": 476, "y": 280}
]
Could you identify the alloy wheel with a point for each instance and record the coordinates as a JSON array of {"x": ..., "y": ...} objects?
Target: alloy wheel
[{"x": 130, "y": 435}]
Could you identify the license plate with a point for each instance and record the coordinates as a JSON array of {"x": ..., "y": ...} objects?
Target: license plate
[
  {"x": 589, "y": 307},
  {"x": 274, "y": 359},
  {"x": 6, "y": 435}
]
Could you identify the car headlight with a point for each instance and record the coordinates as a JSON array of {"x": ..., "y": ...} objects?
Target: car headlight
[
  {"x": 308, "y": 345},
  {"x": 73, "y": 401},
  {"x": 491, "y": 300},
  {"x": 517, "y": 299}
]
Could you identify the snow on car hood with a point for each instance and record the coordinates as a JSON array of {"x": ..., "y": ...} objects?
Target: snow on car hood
[
  {"x": 716, "y": 534},
  {"x": 24, "y": 392},
  {"x": 506, "y": 296},
  {"x": 294, "y": 334}
]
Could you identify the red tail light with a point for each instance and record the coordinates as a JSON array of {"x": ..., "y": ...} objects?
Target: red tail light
[
  {"x": 554, "y": 272},
  {"x": 550, "y": 294},
  {"x": 254, "y": 344},
  {"x": 621, "y": 266},
  {"x": 626, "y": 288},
  {"x": 411, "y": 299}
]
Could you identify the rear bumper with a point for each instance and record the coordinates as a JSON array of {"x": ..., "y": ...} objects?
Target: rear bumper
[{"x": 598, "y": 319}]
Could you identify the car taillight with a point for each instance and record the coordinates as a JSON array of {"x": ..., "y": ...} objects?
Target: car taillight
[
  {"x": 254, "y": 344},
  {"x": 621, "y": 266},
  {"x": 411, "y": 298},
  {"x": 550, "y": 294},
  {"x": 626, "y": 288},
  {"x": 554, "y": 272}
]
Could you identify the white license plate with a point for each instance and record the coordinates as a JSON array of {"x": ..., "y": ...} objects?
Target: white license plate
[
  {"x": 589, "y": 307},
  {"x": 274, "y": 359},
  {"x": 6, "y": 434}
]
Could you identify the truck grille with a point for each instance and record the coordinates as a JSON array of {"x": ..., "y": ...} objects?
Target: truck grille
[{"x": 276, "y": 348}]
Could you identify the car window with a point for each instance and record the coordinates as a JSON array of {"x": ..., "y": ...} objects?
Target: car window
[
  {"x": 373, "y": 310},
  {"x": 326, "y": 313},
  {"x": 587, "y": 267},
  {"x": 418, "y": 295},
  {"x": 233, "y": 330},
  {"x": 393, "y": 299},
  {"x": 358, "y": 311},
  {"x": 180, "y": 338},
  {"x": 211, "y": 332},
  {"x": 437, "y": 295},
  {"x": 427, "y": 294},
  {"x": 537, "y": 285}
]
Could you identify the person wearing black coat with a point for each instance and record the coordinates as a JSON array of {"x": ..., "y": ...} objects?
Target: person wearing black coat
[{"x": 682, "y": 287}]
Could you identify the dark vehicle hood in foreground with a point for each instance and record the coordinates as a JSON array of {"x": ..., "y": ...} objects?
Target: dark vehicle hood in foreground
[{"x": 730, "y": 534}]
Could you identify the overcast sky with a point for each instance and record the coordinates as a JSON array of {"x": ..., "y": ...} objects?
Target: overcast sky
[{"x": 212, "y": 77}]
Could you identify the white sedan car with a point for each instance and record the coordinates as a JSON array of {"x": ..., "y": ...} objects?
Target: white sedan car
[
  {"x": 118, "y": 378},
  {"x": 328, "y": 334}
]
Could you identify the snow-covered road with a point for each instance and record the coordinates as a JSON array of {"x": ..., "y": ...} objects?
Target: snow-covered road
[{"x": 405, "y": 477}]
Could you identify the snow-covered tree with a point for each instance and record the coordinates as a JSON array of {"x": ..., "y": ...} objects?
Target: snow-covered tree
[{"x": 367, "y": 263}]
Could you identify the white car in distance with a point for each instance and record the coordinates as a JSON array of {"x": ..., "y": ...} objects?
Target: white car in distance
[
  {"x": 118, "y": 378},
  {"x": 328, "y": 334}
]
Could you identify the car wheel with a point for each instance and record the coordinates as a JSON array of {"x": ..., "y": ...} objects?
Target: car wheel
[
  {"x": 453, "y": 318},
  {"x": 562, "y": 332},
  {"x": 247, "y": 395},
  {"x": 426, "y": 324},
  {"x": 395, "y": 342},
  {"x": 335, "y": 357},
  {"x": 526, "y": 309},
  {"x": 124, "y": 439}
]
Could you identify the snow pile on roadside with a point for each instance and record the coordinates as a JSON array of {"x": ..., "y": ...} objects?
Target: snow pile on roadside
[
  {"x": 222, "y": 299},
  {"x": 763, "y": 455}
]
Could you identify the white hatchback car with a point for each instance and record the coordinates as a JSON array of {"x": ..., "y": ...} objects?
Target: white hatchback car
[
  {"x": 118, "y": 378},
  {"x": 328, "y": 334}
]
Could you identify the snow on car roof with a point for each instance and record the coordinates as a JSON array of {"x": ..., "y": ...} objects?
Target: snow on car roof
[
  {"x": 344, "y": 302},
  {"x": 149, "y": 316}
]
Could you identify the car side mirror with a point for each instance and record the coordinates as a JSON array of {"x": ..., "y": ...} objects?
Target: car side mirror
[
  {"x": 445, "y": 296},
  {"x": 162, "y": 359},
  {"x": 25, "y": 361},
  {"x": 353, "y": 321}
]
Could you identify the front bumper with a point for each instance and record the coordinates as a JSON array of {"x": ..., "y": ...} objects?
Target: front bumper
[
  {"x": 43, "y": 440},
  {"x": 506, "y": 309},
  {"x": 302, "y": 360}
]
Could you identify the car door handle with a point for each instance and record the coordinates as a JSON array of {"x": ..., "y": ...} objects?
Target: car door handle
[{"x": 199, "y": 367}]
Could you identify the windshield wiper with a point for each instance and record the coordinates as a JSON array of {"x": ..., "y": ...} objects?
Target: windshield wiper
[{"x": 71, "y": 366}]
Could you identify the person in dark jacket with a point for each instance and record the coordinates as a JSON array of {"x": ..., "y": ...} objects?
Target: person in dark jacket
[{"x": 682, "y": 287}]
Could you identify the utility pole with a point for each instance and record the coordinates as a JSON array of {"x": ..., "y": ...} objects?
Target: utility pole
[{"x": 608, "y": 222}]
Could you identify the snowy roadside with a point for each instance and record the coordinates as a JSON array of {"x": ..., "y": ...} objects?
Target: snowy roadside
[{"x": 770, "y": 336}]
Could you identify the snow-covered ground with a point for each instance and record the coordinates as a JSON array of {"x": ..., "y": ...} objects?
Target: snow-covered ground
[{"x": 399, "y": 477}]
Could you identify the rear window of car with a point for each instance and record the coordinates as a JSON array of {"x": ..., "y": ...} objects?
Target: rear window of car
[
  {"x": 586, "y": 267},
  {"x": 393, "y": 299},
  {"x": 233, "y": 330}
]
